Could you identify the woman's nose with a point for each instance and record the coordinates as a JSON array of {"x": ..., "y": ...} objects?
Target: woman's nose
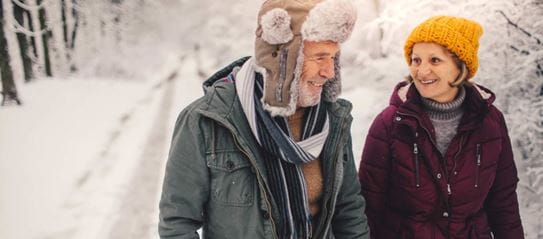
[{"x": 424, "y": 69}]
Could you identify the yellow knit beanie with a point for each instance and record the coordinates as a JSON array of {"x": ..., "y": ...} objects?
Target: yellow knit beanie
[{"x": 458, "y": 35}]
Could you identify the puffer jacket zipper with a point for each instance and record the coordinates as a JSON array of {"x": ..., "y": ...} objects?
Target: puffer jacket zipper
[
  {"x": 446, "y": 201},
  {"x": 478, "y": 163},
  {"x": 417, "y": 174},
  {"x": 455, "y": 162},
  {"x": 422, "y": 126}
]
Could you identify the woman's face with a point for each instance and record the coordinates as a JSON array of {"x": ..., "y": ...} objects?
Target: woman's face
[{"x": 433, "y": 69}]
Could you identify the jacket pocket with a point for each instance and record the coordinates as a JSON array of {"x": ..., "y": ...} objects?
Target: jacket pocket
[
  {"x": 473, "y": 233},
  {"x": 476, "y": 234},
  {"x": 232, "y": 180}
]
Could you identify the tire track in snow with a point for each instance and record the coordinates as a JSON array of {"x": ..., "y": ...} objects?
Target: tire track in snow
[
  {"x": 138, "y": 205},
  {"x": 114, "y": 136}
]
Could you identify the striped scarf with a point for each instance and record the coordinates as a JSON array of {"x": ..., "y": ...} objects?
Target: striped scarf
[{"x": 283, "y": 157}]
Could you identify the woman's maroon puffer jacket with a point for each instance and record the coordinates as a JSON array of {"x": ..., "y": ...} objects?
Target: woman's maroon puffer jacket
[{"x": 412, "y": 191}]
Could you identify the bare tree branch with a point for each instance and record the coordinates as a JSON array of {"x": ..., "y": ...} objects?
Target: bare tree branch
[
  {"x": 520, "y": 28},
  {"x": 18, "y": 28},
  {"x": 523, "y": 52},
  {"x": 29, "y": 7}
]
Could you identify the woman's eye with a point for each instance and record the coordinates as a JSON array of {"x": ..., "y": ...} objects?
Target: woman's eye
[
  {"x": 415, "y": 61},
  {"x": 435, "y": 60}
]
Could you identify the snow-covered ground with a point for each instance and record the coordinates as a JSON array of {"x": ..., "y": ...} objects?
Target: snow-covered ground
[
  {"x": 75, "y": 158},
  {"x": 50, "y": 145}
]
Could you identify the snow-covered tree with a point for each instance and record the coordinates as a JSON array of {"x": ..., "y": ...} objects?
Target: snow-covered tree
[
  {"x": 9, "y": 91},
  {"x": 22, "y": 16}
]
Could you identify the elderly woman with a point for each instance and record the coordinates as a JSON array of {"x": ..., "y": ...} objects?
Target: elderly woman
[{"x": 438, "y": 162}]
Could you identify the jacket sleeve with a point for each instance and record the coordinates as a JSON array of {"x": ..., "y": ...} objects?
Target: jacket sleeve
[
  {"x": 186, "y": 183},
  {"x": 501, "y": 203},
  {"x": 375, "y": 167},
  {"x": 349, "y": 220}
]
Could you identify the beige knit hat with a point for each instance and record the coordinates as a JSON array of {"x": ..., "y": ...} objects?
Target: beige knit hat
[{"x": 283, "y": 25}]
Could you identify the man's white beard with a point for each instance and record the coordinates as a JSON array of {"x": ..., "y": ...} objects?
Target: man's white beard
[{"x": 306, "y": 98}]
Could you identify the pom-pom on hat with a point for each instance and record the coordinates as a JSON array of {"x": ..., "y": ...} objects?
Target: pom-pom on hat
[{"x": 458, "y": 35}]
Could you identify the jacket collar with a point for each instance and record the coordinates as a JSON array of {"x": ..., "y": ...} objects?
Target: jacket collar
[
  {"x": 224, "y": 72},
  {"x": 476, "y": 105}
]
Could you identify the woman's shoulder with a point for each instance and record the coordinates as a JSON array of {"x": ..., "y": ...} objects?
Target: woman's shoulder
[
  {"x": 496, "y": 115},
  {"x": 388, "y": 113},
  {"x": 383, "y": 120}
]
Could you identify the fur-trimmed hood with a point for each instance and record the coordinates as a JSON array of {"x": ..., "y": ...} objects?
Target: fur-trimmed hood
[{"x": 283, "y": 25}]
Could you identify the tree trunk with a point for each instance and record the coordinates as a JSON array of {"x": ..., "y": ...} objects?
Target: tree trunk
[
  {"x": 18, "y": 13},
  {"x": 9, "y": 92},
  {"x": 117, "y": 19},
  {"x": 64, "y": 24},
  {"x": 47, "y": 35},
  {"x": 75, "y": 16},
  {"x": 30, "y": 26},
  {"x": 71, "y": 46}
]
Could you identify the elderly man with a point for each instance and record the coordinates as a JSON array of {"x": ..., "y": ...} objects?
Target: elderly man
[{"x": 266, "y": 153}]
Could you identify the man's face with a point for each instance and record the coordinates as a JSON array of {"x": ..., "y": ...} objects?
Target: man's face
[{"x": 317, "y": 68}]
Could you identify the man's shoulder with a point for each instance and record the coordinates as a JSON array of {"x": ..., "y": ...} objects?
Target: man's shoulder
[
  {"x": 341, "y": 107},
  {"x": 220, "y": 96},
  {"x": 218, "y": 99},
  {"x": 344, "y": 103}
]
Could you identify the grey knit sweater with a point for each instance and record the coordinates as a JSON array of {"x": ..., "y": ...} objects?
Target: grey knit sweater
[{"x": 445, "y": 118}]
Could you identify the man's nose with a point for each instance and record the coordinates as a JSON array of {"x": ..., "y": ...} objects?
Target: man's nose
[{"x": 327, "y": 70}]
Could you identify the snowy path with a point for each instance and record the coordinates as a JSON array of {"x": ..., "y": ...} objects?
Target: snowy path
[
  {"x": 138, "y": 215},
  {"x": 91, "y": 155},
  {"x": 54, "y": 147},
  {"x": 120, "y": 198},
  {"x": 134, "y": 216}
]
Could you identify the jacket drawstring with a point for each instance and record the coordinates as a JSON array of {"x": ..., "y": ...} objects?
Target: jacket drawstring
[
  {"x": 478, "y": 163},
  {"x": 416, "y": 152}
]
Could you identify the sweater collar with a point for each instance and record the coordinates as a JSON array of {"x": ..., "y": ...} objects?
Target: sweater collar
[{"x": 445, "y": 111}]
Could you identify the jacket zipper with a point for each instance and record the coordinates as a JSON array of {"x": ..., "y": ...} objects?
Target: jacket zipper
[
  {"x": 462, "y": 138},
  {"x": 422, "y": 126},
  {"x": 261, "y": 183},
  {"x": 321, "y": 220},
  {"x": 417, "y": 175},
  {"x": 268, "y": 204},
  {"x": 449, "y": 192},
  {"x": 478, "y": 163}
]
